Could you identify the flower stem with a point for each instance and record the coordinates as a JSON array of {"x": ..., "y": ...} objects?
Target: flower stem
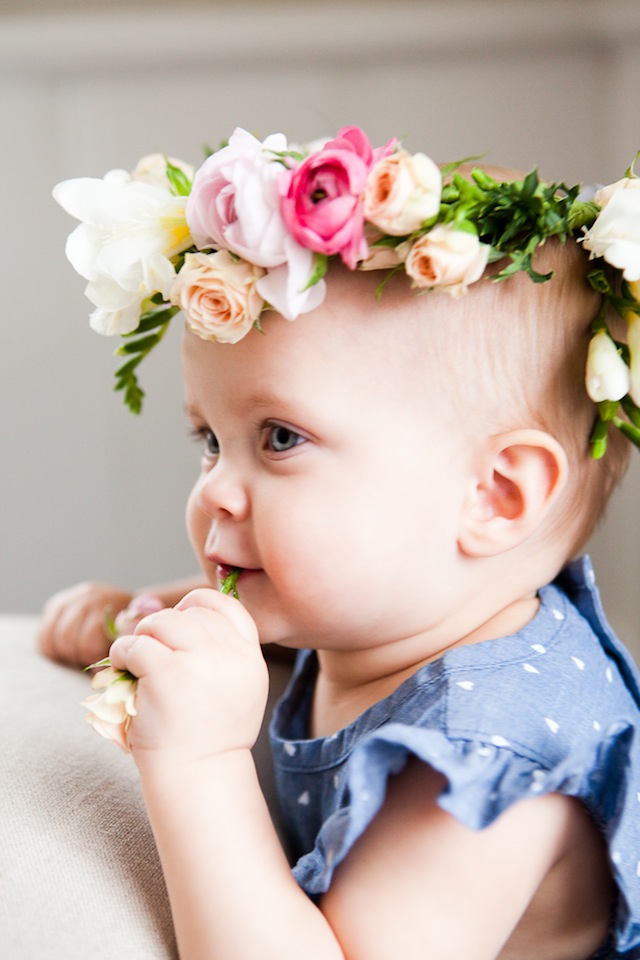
[{"x": 228, "y": 585}]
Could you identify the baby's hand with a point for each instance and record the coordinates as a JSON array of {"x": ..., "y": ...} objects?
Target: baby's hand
[
  {"x": 202, "y": 680},
  {"x": 73, "y": 623}
]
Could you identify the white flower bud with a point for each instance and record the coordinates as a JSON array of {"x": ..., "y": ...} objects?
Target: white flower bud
[{"x": 607, "y": 375}]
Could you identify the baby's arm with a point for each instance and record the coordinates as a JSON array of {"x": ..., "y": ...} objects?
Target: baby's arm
[
  {"x": 416, "y": 884},
  {"x": 72, "y": 626}
]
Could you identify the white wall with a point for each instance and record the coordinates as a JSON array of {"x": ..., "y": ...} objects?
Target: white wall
[{"x": 86, "y": 490}]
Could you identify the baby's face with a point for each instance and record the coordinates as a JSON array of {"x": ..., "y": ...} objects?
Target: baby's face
[{"x": 329, "y": 474}]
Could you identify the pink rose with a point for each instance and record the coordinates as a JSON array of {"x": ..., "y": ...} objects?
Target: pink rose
[
  {"x": 141, "y": 606},
  {"x": 447, "y": 259},
  {"x": 218, "y": 295},
  {"x": 322, "y": 199},
  {"x": 235, "y": 201}
]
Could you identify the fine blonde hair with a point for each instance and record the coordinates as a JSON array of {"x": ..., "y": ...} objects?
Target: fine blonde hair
[{"x": 519, "y": 351}]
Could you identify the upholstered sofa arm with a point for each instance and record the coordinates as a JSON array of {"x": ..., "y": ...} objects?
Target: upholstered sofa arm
[{"x": 79, "y": 873}]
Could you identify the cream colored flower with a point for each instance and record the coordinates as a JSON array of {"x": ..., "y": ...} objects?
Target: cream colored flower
[
  {"x": 153, "y": 169},
  {"x": 607, "y": 375},
  {"x": 633, "y": 342},
  {"x": 604, "y": 194},
  {"x": 218, "y": 295},
  {"x": 446, "y": 259},
  {"x": 402, "y": 191},
  {"x": 110, "y": 712}
]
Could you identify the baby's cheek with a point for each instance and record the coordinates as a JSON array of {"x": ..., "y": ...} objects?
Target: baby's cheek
[{"x": 197, "y": 525}]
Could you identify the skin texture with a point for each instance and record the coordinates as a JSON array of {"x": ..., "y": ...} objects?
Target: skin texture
[{"x": 297, "y": 425}]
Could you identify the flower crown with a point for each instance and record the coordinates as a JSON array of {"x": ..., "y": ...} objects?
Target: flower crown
[{"x": 255, "y": 226}]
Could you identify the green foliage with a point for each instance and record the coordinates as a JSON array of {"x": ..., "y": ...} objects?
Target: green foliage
[
  {"x": 153, "y": 326},
  {"x": 514, "y": 217},
  {"x": 179, "y": 181}
]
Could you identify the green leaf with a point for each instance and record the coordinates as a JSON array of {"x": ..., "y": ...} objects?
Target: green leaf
[
  {"x": 629, "y": 172},
  {"x": 141, "y": 345},
  {"x": 598, "y": 439},
  {"x": 631, "y": 410},
  {"x": 179, "y": 181},
  {"x": 320, "y": 266},
  {"x": 582, "y": 214},
  {"x": 599, "y": 281},
  {"x": 607, "y": 409},
  {"x": 630, "y": 431}
]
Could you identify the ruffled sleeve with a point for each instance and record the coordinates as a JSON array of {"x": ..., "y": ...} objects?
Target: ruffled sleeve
[{"x": 483, "y": 780}]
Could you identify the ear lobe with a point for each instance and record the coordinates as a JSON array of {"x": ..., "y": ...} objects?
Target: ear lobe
[{"x": 519, "y": 478}]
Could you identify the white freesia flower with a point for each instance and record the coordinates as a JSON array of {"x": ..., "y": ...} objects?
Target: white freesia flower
[
  {"x": 128, "y": 234},
  {"x": 615, "y": 235},
  {"x": 607, "y": 375},
  {"x": 110, "y": 712},
  {"x": 633, "y": 342}
]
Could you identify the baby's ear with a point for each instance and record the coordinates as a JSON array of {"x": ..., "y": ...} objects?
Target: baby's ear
[{"x": 518, "y": 479}]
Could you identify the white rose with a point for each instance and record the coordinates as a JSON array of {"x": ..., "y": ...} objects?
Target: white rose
[
  {"x": 129, "y": 232},
  {"x": 607, "y": 375},
  {"x": 110, "y": 712},
  {"x": 446, "y": 259},
  {"x": 402, "y": 191},
  {"x": 615, "y": 235},
  {"x": 218, "y": 295}
]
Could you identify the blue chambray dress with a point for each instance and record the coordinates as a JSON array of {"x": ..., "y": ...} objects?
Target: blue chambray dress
[{"x": 553, "y": 708}]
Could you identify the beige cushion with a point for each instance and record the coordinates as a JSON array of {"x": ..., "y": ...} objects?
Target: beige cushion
[{"x": 79, "y": 873}]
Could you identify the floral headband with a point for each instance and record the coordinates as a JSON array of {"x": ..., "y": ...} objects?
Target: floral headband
[{"x": 255, "y": 226}]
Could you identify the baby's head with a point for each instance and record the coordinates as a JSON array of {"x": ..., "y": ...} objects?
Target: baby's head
[{"x": 478, "y": 385}]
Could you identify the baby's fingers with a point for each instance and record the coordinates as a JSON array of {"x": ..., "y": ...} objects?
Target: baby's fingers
[
  {"x": 138, "y": 653},
  {"x": 223, "y": 604}
]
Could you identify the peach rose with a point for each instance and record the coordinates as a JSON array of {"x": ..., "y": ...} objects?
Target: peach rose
[
  {"x": 447, "y": 259},
  {"x": 402, "y": 191},
  {"x": 218, "y": 296}
]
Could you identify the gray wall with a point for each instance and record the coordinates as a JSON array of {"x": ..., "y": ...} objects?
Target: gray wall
[{"x": 86, "y": 490}]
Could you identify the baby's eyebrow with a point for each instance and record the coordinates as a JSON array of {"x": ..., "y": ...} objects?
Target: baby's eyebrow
[{"x": 192, "y": 412}]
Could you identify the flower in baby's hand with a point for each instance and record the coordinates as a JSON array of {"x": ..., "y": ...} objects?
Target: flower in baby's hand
[
  {"x": 447, "y": 259},
  {"x": 111, "y": 710},
  {"x": 141, "y": 606},
  {"x": 218, "y": 296}
]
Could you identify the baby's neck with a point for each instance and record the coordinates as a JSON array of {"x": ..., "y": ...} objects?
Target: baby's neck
[{"x": 351, "y": 681}]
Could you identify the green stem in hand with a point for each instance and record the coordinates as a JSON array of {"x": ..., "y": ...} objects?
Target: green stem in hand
[{"x": 228, "y": 585}]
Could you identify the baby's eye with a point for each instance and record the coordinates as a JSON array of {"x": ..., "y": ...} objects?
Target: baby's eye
[
  {"x": 279, "y": 439},
  {"x": 208, "y": 439},
  {"x": 211, "y": 445}
]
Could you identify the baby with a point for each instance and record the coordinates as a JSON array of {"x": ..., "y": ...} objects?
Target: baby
[{"x": 404, "y": 481}]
